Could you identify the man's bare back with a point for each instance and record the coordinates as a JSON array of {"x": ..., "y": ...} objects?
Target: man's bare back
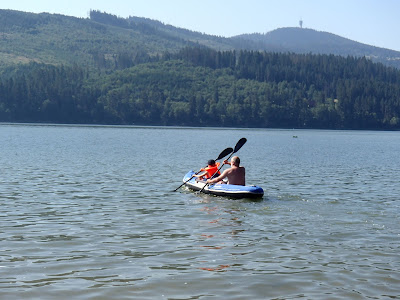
[{"x": 235, "y": 174}]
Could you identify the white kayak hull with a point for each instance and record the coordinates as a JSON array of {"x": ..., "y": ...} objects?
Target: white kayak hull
[{"x": 225, "y": 190}]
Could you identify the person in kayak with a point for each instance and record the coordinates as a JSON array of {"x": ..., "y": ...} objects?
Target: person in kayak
[
  {"x": 235, "y": 174},
  {"x": 211, "y": 169}
]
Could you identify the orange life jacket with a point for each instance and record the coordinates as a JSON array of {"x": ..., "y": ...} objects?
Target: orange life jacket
[{"x": 211, "y": 170}]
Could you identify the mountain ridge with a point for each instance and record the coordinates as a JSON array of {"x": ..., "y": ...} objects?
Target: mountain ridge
[
  {"x": 305, "y": 40},
  {"x": 106, "y": 41}
]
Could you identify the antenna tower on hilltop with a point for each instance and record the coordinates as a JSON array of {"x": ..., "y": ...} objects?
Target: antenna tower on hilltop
[{"x": 301, "y": 23}]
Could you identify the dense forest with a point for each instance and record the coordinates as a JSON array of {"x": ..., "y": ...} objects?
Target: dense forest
[{"x": 198, "y": 86}]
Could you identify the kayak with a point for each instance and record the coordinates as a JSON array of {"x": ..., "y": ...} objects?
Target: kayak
[{"x": 226, "y": 190}]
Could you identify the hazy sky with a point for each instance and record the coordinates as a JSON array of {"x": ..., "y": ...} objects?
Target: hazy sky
[{"x": 373, "y": 22}]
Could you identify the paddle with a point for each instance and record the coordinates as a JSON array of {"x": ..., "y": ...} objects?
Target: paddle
[
  {"x": 221, "y": 155},
  {"x": 239, "y": 145}
]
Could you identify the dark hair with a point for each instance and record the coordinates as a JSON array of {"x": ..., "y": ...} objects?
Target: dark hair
[{"x": 211, "y": 162}]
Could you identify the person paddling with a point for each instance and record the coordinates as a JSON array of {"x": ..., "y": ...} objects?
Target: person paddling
[
  {"x": 235, "y": 174},
  {"x": 211, "y": 169}
]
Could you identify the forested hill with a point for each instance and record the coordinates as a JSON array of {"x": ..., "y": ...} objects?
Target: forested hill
[
  {"x": 296, "y": 40},
  {"x": 56, "y": 39},
  {"x": 106, "y": 41},
  {"x": 110, "y": 70},
  {"x": 302, "y": 40},
  {"x": 203, "y": 87}
]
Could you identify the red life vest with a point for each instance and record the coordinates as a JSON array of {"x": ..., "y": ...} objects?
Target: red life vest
[{"x": 211, "y": 170}]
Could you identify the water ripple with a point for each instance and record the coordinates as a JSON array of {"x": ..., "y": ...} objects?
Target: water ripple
[{"x": 83, "y": 223}]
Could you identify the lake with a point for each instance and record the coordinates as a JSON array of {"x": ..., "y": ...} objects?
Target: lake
[{"x": 89, "y": 212}]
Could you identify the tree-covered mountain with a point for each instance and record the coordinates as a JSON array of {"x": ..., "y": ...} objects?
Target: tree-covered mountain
[
  {"x": 57, "y": 39},
  {"x": 111, "y": 70},
  {"x": 106, "y": 41},
  {"x": 302, "y": 40}
]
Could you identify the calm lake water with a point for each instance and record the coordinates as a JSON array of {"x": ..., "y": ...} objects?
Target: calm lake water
[{"x": 88, "y": 212}]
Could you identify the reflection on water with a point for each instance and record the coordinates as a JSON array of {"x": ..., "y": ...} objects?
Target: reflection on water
[{"x": 88, "y": 213}]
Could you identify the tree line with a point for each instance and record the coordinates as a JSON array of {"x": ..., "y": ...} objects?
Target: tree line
[{"x": 202, "y": 87}]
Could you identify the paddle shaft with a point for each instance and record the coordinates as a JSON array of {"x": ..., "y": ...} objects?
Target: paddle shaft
[
  {"x": 186, "y": 181},
  {"x": 221, "y": 155}
]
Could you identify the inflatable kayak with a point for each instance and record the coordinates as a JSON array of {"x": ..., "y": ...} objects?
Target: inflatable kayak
[{"x": 227, "y": 190}]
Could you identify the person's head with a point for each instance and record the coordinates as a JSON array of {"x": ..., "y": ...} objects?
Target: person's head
[
  {"x": 235, "y": 161},
  {"x": 211, "y": 163}
]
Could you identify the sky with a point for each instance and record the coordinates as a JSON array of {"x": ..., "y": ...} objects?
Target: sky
[{"x": 372, "y": 22}]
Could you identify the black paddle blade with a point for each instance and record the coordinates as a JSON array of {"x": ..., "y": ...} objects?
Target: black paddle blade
[
  {"x": 225, "y": 153},
  {"x": 239, "y": 144}
]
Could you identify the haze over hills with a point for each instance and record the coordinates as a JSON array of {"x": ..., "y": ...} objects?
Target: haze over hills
[
  {"x": 303, "y": 40},
  {"x": 103, "y": 39}
]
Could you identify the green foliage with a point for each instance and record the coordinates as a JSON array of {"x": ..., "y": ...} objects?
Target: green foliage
[
  {"x": 202, "y": 87},
  {"x": 104, "y": 42},
  {"x": 112, "y": 70},
  {"x": 108, "y": 42}
]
